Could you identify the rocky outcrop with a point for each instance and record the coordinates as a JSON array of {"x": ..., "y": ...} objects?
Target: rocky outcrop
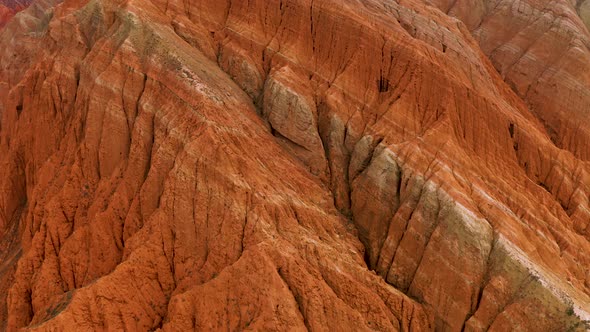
[{"x": 288, "y": 164}]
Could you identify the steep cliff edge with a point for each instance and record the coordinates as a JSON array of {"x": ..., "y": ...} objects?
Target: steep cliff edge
[{"x": 286, "y": 164}]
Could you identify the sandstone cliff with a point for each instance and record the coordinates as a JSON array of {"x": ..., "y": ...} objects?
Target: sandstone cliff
[{"x": 295, "y": 164}]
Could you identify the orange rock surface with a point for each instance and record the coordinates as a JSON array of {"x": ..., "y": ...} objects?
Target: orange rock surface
[
  {"x": 541, "y": 49},
  {"x": 8, "y": 8},
  {"x": 295, "y": 165},
  {"x": 5, "y": 15}
]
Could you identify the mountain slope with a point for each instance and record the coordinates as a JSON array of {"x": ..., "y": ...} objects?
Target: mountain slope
[
  {"x": 8, "y": 8},
  {"x": 282, "y": 165},
  {"x": 542, "y": 50}
]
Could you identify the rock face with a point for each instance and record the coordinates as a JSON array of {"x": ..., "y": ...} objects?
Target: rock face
[
  {"x": 8, "y": 8},
  {"x": 541, "y": 49},
  {"x": 295, "y": 164}
]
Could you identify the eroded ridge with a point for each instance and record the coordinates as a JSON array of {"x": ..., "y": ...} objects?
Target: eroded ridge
[{"x": 278, "y": 165}]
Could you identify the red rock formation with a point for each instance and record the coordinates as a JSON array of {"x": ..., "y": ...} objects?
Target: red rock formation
[
  {"x": 288, "y": 164},
  {"x": 541, "y": 49},
  {"x": 5, "y": 15},
  {"x": 8, "y": 8}
]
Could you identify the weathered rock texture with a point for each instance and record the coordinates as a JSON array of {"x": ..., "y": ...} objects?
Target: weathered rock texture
[
  {"x": 8, "y": 8},
  {"x": 541, "y": 49},
  {"x": 295, "y": 164}
]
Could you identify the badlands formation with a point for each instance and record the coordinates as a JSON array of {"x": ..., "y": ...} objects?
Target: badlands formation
[
  {"x": 409, "y": 165},
  {"x": 8, "y": 8}
]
